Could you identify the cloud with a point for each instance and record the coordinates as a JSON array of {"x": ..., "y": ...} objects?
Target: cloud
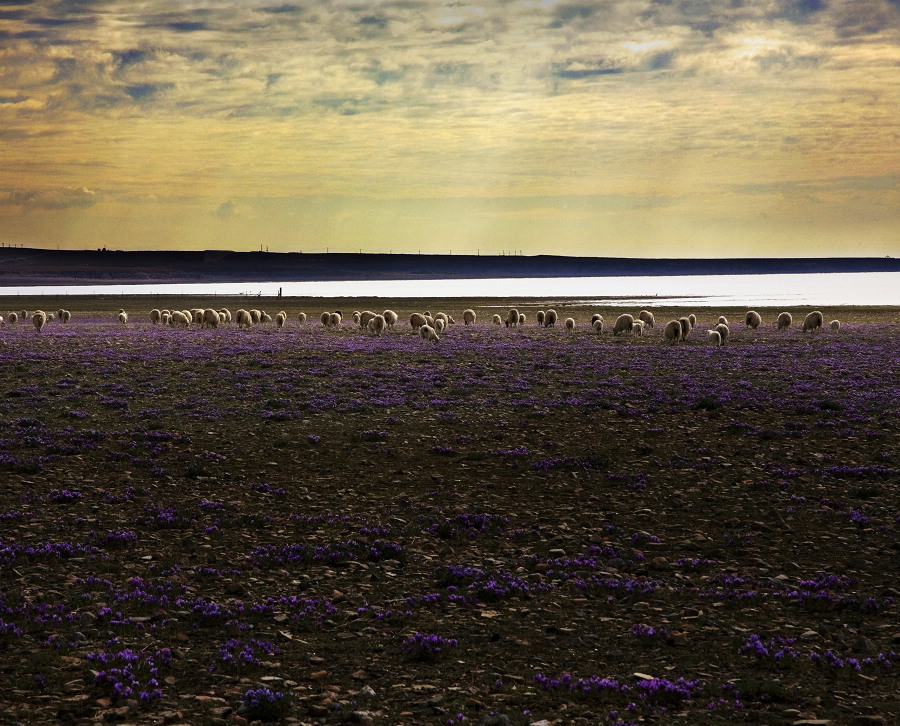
[
  {"x": 226, "y": 210},
  {"x": 50, "y": 199}
]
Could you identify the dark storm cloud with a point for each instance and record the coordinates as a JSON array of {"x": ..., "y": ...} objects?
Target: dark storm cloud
[
  {"x": 62, "y": 22},
  {"x": 131, "y": 56},
  {"x": 282, "y": 9},
  {"x": 579, "y": 68},
  {"x": 187, "y": 26}
]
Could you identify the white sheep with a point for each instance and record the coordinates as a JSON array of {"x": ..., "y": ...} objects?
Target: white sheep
[
  {"x": 364, "y": 317},
  {"x": 301, "y": 318},
  {"x": 444, "y": 317},
  {"x": 835, "y": 326},
  {"x": 570, "y": 325},
  {"x": 334, "y": 320},
  {"x": 243, "y": 318},
  {"x": 539, "y": 318},
  {"x": 512, "y": 318},
  {"x": 686, "y": 327},
  {"x": 280, "y": 320},
  {"x": 550, "y": 318},
  {"x": 66, "y": 316},
  {"x": 190, "y": 316},
  {"x": 595, "y": 317},
  {"x": 123, "y": 317},
  {"x": 722, "y": 320},
  {"x": 672, "y": 331},
  {"x": 24, "y": 314},
  {"x": 266, "y": 318},
  {"x": 752, "y": 319},
  {"x": 426, "y": 332},
  {"x": 693, "y": 320},
  {"x": 178, "y": 319},
  {"x": 522, "y": 319},
  {"x": 225, "y": 315},
  {"x": 724, "y": 331},
  {"x": 624, "y": 324},
  {"x": 165, "y": 318},
  {"x": 325, "y": 318},
  {"x": 255, "y": 315},
  {"x": 646, "y": 317},
  {"x": 417, "y": 320},
  {"x": 39, "y": 319},
  {"x": 429, "y": 320},
  {"x": 638, "y": 328},
  {"x": 469, "y": 316},
  {"x": 155, "y": 316},
  {"x": 597, "y": 326},
  {"x": 50, "y": 317},
  {"x": 376, "y": 325},
  {"x": 497, "y": 320},
  {"x": 1, "y": 320},
  {"x": 439, "y": 325},
  {"x": 813, "y": 321},
  {"x": 390, "y": 318},
  {"x": 714, "y": 337},
  {"x": 210, "y": 318},
  {"x": 12, "y": 318},
  {"x": 785, "y": 321}
]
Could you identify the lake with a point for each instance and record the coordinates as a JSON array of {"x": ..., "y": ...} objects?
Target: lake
[{"x": 863, "y": 288}]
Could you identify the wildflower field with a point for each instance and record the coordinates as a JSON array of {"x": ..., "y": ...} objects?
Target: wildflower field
[{"x": 510, "y": 526}]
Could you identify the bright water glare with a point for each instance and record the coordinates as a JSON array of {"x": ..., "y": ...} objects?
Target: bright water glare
[{"x": 858, "y": 288}]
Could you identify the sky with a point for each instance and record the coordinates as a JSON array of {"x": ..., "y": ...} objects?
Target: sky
[{"x": 623, "y": 128}]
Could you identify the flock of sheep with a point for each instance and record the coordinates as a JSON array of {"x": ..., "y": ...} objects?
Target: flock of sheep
[{"x": 430, "y": 327}]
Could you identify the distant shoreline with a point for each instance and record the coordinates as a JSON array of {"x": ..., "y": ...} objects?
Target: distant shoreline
[{"x": 29, "y": 266}]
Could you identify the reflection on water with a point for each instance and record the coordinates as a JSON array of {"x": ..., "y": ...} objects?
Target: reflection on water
[{"x": 856, "y": 288}]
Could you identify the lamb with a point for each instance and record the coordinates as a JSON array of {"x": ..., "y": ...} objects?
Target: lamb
[
  {"x": 243, "y": 318},
  {"x": 39, "y": 319},
  {"x": 225, "y": 315},
  {"x": 693, "y": 320},
  {"x": 497, "y": 320},
  {"x": 123, "y": 317},
  {"x": 50, "y": 317},
  {"x": 439, "y": 325},
  {"x": 390, "y": 318},
  {"x": 280, "y": 320},
  {"x": 512, "y": 318},
  {"x": 155, "y": 316},
  {"x": 24, "y": 314},
  {"x": 427, "y": 333},
  {"x": 570, "y": 325},
  {"x": 752, "y": 319},
  {"x": 469, "y": 316},
  {"x": 813, "y": 321},
  {"x": 550, "y": 318},
  {"x": 784, "y": 320},
  {"x": 714, "y": 337},
  {"x": 444, "y": 317},
  {"x": 638, "y": 328},
  {"x": 417, "y": 320},
  {"x": 210, "y": 318},
  {"x": 334, "y": 320},
  {"x": 723, "y": 320},
  {"x": 624, "y": 324},
  {"x": 647, "y": 318},
  {"x": 178, "y": 319},
  {"x": 595, "y": 317},
  {"x": 301, "y": 318},
  {"x": 724, "y": 331},
  {"x": 357, "y": 317},
  {"x": 835, "y": 326},
  {"x": 686, "y": 327},
  {"x": 376, "y": 325},
  {"x": 597, "y": 326},
  {"x": 13, "y": 318},
  {"x": 672, "y": 331},
  {"x": 522, "y": 319},
  {"x": 165, "y": 318},
  {"x": 539, "y": 317}
]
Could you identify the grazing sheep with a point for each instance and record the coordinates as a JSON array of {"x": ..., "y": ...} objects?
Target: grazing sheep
[
  {"x": 686, "y": 327},
  {"x": 334, "y": 320},
  {"x": 50, "y": 317},
  {"x": 813, "y": 321},
  {"x": 243, "y": 318},
  {"x": 39, "y": 319},
  {"x": 714, "y": 337},
  {"x": 647, "y": 318},
  {"x": 191, "y": 317},
  {"x": 364, "y": 317},
  {"x": 550, "y": 318},
  {"x": 123, "y": 317},
  {"x": 178, "y": 319},
  {"x": 376, "y": 325},
  {"x": 672, "y": 331},
  {"x": 12, "y": 318},
  {"x": 522, "y": 319},
  {"x": 256, "y": 315},
  {"x": 785, "y": 320},
  {"x": 444, "y": 317},
  {"x": 595, "y": 317},
  {"x": 497, "y": 320},
  {"x": 722, "y": 320},
  {"x": 390, "y": 318},
  {"x": 426, "y": 332},
  {"x": 752, "y": 319},
  {"x": 597, "y": 326},
  {"x": 539, "y": 318},
  {"x": 638, "y": 328},
  {"x": 724, "y": 331},
  {"x": 624, "y": 324},
  {"x": 66, "y": 316},
  {"x": 439, "y": 325},
  {"x": 693, "y": 320},
  {"x": 429, "y": 320},
  {"x": 24, "y": 314},
  {"x": 417, "y": 320},
  {"x": 512, "y": 318},
  {"x": 155, "y": 316},
  {"x": 451, "y": 320},
  {"x": 226, "y": 313},
  {"x": 835, "y": 326},
  {"x": 165, "y": 318},
  {"x": 570, "y": 325},
  {"x": 469, "y": 316},
  {"x": 356, "y": 317},
  {"x": 210, "y": 318},
  {"x": 325, "y": 318},
  {"x": 266, "y": 318},
  {"x": 279, "y": 320},
  {"x": 301, "y": 318}
]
